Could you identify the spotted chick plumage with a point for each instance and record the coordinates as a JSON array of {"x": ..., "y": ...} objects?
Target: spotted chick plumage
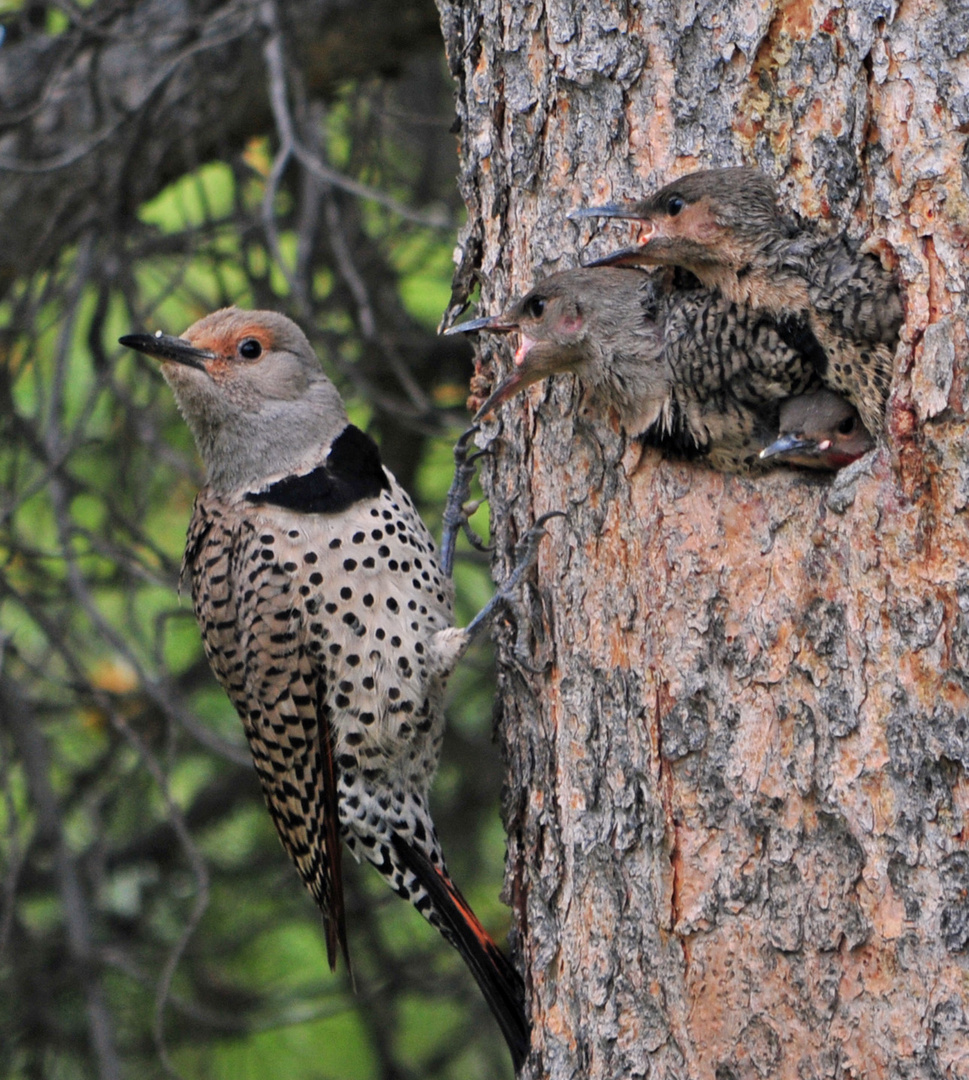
[
  {"x": 327, "y": 618},
  {"x": 829, "y": 300},
  {"x": 687, "y": 370}
]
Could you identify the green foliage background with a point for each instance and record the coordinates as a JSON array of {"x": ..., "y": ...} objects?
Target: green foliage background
[{"x": 143, "y": 888}]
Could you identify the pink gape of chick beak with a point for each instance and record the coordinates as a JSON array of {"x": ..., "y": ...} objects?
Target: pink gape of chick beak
[{"x": 519, "y": 378}]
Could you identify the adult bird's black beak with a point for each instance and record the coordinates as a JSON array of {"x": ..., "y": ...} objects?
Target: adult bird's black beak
[{"x": 166, "y": 347}]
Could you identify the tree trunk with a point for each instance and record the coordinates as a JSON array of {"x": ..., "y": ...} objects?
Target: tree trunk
[{"x": 740, "y": 805}]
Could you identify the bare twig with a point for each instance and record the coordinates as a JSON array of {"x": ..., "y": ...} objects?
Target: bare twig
[{"x": 19, "y": 719}]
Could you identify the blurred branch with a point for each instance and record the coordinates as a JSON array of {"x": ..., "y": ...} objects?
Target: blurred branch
[
  {"x": 84, "y": 116},
  {"x": 19, "y": 720}
]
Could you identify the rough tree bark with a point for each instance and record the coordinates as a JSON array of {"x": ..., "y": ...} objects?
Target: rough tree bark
[{"x": 739, "y": 798}]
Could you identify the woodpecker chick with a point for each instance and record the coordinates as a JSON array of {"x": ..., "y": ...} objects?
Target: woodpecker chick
[
  {"x": 829, "y": 300},
  {"x": 687, "y": 371},
  {"x": 819, "y": 431},
  {"x": 327, "y": 619}
]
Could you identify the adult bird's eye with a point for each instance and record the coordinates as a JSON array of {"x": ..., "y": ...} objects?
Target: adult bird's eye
[
  {"x": 847, "y": 426},
  {"x": 250, "y": 348},
  {"x": 535, "y": 307},
  {"x": 675, "y": 205}
]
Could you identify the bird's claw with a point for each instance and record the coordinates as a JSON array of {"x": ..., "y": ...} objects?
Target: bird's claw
[
  {"x": 526, "y": 552},
  {"x": 523, "y": 661},
  {"x": 457, "y": 508},
  {"x": 468, "y": 509}
]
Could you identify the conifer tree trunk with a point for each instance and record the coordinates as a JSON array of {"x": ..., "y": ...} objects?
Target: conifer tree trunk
[{"x": 739, "y": 803}]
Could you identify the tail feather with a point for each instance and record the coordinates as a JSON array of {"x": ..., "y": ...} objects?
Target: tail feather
[
  {"x": 500, "y": 983},
  {"x": 335, "y": 913}
]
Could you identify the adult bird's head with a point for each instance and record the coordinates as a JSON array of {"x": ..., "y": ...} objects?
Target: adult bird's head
[
  {"x": 584, "y": 321},
  {"x": 819, "y": 431},
  {"x": 716, "y": 217},
  {"x": 252, "y": 392}
]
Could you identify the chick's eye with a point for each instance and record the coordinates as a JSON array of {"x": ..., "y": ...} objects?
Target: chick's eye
[
  {"x": 847, "y": 426},
  {"x": 535, "y": 307},
  {"x": 250, "y": 348},
  {"x": 675, "y": 205}
]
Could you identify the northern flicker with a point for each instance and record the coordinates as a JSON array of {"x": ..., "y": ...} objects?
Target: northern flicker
[
  {"x": 327, "y": 618},
  {"x": 829, "y": 300},
  {"x": 687, "y": 371},
  {"x": 819, "y": 431}
]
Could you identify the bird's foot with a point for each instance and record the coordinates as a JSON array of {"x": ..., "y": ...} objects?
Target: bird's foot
[
  {"x": 526, "y": 552},
  {"x": 522, "y": 659},
  {"x": 457, "y": 508}
]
